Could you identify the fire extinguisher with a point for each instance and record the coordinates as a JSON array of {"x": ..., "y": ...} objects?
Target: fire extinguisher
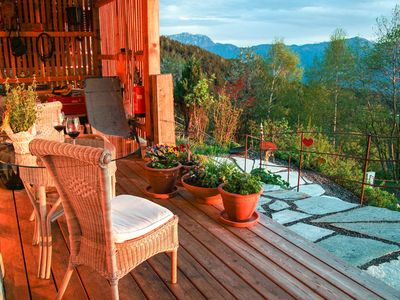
[{"x": 139, "y": 103}]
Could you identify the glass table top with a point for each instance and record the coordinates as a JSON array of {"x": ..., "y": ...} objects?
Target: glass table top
[{"x": 119, "y": 148}]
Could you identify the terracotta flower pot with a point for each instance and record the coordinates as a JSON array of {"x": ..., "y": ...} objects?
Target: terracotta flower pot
[
  {"x": 203, "y": 195},
  {"x": 239, "y": 208},
  {"x": 184, "y": 170},
  {"x": 162, "y": 181}
]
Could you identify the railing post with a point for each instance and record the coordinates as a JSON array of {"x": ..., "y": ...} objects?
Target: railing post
[
  {"x": 366, "y": 161},
  {"x": 246, "y": 153},
  {"x": 261, "y": 140},
  {"x": 301, "y": 161},
  {"x": 288, "y": 169}
]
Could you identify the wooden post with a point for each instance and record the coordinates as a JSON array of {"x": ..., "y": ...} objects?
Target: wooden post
[
  {"x": 151, "y": 36},
  {"x": 163, "y": 109}
]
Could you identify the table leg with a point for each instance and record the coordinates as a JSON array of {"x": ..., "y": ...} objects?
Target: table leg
[{"x": 43, "y": 245}]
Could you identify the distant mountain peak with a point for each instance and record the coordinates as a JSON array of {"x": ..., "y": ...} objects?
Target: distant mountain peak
[
  {"x": 199, "y": 40},
  {"x": 307, "y": 52}
]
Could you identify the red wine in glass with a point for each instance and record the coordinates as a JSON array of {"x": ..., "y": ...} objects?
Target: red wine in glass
[
  {"x": 73, "y": 128},
  {"x": 59, "y": 128},
  {"x": 73, "y": 134}
]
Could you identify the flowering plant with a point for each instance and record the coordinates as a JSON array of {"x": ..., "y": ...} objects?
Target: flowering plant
[
  {"x": 211, "y": 174},
  {"x": 186, "y": 157},
  {"x": 163, "y": 156}
]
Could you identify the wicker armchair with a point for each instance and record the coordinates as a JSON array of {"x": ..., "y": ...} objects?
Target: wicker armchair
[{"x": 112, "y": 236}]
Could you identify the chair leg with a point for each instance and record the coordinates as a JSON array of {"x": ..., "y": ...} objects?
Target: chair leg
[
  {"x": 114, "y": 290},
  {"x": 32, "y": 217},
  {"x": 174, "y": 266},
  {"x": 65, "y": 282}
]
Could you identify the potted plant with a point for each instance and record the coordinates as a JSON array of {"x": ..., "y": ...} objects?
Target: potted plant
[
  {"x": 203, "y": 181},
  {"x": 240, "y": 194},
  {"x": 20, "y": 115},
  {"x": 187, "y": 160},
  {"x": 163, "y": 168}
]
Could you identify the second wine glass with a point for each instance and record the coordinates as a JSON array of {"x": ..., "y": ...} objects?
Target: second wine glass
[{"x": 73, "y": 127}]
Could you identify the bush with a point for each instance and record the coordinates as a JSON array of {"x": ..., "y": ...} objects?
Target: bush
[
  {"x": 381, "y": 198},
  {"x": 269, "y": 178},
  {"x": 211, "y": 174}
]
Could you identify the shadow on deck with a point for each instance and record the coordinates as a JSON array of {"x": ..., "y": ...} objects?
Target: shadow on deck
[{"x": 214, "y": 261}]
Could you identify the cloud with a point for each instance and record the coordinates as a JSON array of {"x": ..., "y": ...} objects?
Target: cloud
[{"x": 260, "y": 21}]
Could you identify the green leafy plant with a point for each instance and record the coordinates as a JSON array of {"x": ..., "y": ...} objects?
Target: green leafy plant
[
  {"x": 211, "y": 174},
  {"x": 381, "y": 198},
  {"x": 242, "y": 183},
  {"x": 269, "y": 178},
  {"x": 163, "y": 156},
  {"x": 20, "y": 102}
]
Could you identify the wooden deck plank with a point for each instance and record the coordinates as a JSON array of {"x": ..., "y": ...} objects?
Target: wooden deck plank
[
  {"x": 95, "y": 285},
  {"x": 40, "y": 289},
  {"x": 15, "y": 280},
  {"x": 59, "y": 266},
  {"x": 150, "y": 283}
]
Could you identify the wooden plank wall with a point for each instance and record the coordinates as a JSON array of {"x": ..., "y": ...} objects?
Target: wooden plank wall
[
  {"x": 121, "y": 26},
  {"x": 73, "y": 59}
]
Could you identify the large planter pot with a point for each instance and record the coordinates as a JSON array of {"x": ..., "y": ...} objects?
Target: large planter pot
[
  {"x": 21, "y": 139},
  {"x": 183, "y": 171},
  {"x": 162, "y": 181},
  {"x": 239, "y": 208},
  {"x": 203, "y": 195}
]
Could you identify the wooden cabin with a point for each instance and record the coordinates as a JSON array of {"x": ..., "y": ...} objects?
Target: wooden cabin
[{"x": 67, "y": 41}]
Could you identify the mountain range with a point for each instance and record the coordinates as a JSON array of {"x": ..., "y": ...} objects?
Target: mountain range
[{"x": 307, "y": 52}]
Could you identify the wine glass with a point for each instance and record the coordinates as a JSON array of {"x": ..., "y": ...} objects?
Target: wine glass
[
  {"x": 73, "y": 127},
  {"x": 59, "y": 124}
]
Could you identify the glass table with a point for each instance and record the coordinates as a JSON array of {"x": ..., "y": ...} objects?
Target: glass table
[{"x": 37, "y": 182}]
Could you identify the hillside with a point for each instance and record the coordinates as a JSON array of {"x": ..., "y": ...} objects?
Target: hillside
[
  {"x": 174, "y": 54},
  {"x": 307, "y": 53}
]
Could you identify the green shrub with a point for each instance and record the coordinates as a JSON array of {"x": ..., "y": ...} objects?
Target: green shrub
[
  {"x": 381, "y": 198},
  {"x": 211, "y": 174},
  {"x": 242, "y": 184},
  {"x": 269, "y": 178}
]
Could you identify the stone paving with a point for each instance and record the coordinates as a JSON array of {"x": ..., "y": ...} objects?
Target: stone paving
[{"x": 366, "y": 237}]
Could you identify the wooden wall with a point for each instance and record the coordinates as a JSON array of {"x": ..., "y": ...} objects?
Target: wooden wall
[
  {"x": 75, "y": 46},
  {"x": 123, "y": 24}
]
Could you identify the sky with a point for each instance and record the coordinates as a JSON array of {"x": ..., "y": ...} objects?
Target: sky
[{"x": 253, "y": 22}]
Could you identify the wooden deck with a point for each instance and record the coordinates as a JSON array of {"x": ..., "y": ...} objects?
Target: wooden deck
[{"x": 215, "y": 261}]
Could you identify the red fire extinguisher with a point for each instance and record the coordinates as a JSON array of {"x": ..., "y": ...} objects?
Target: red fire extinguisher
[{"x": 139, "y": 103}]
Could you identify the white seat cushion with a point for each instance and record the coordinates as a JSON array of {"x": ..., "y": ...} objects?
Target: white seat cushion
[{"x": 133, "y": 217}]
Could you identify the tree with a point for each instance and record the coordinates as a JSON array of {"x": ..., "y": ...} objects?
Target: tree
[
  {"x": 384, "y": 66},
  {"x": 282, "y": 69},
  {"x": 193, "y": 97},
  {"x": 337, "y": 72}
]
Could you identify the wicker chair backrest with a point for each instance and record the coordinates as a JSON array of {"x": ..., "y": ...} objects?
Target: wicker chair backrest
[{"x": 81, "y": 176}]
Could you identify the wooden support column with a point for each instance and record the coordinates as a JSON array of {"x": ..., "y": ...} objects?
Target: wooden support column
[
  {"x": 163, "y": 109},
  {"x": 151, "y": 36}
]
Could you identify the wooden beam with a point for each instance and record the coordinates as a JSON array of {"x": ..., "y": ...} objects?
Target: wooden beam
[
  {"x": 50, "y": 33},
  {"x": 100, "y": 3},
  {"x": 163, "y": 109}
]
